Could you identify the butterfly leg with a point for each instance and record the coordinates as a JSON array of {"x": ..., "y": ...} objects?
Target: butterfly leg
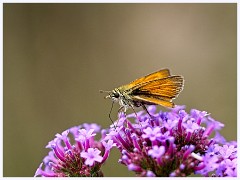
[
  {"x": 120, "y": 110},
  {"x": 151, "y": 116},
  {"x": 109, "y": 115},
  {"x": 137, "y": 116},
  {"x": 145, "y": 109}
]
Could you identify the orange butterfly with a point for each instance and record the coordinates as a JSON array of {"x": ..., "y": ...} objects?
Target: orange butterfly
[{"x": 158, "y": 88}]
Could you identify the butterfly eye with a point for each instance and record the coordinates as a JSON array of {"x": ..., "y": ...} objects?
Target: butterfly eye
[{"x": 116, "y": 95}]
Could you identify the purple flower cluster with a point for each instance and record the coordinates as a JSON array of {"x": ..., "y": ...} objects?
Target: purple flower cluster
[
  {"x": 219, "y": 161},
  {"x": 173, "y": 144},
  {"x": 83, "y": 158},
  {"x": 154, "y": 144}
]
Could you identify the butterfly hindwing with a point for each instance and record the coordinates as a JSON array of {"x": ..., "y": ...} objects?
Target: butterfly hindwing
[{"x": 153, "y": 100}]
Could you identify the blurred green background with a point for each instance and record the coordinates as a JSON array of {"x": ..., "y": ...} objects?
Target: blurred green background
[{"x": 58, "y": 56}]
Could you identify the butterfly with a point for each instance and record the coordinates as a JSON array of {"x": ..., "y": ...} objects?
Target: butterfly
[{"x": 158, "y": 88}]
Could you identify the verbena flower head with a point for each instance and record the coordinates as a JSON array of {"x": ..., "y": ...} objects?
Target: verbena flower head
[
  {"x": 173, "y": 144},
  {"x": 81, "y": 158}
]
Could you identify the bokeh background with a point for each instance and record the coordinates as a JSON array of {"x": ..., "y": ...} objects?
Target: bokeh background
[{"x": 58, "y": 56}]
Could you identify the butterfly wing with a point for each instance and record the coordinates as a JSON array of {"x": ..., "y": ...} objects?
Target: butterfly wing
[
  {"x": 143, "y": 99},
  {"x": 159, "y": 91},
  {"x": 163, "y": 73}
]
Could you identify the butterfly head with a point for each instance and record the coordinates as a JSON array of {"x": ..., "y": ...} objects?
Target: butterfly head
[{"x": 114, "y": 95}]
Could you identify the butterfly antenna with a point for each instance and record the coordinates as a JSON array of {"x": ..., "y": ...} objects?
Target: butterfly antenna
[
  {"x": 102, "y": 91},
  {"x": 109, "y": 115}
]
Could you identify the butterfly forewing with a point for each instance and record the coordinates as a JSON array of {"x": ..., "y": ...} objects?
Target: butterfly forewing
[
  {"x": 156, "y": 75},
  {"x": 159, "y": 91},
  {"x": 169, "y": 87}
]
